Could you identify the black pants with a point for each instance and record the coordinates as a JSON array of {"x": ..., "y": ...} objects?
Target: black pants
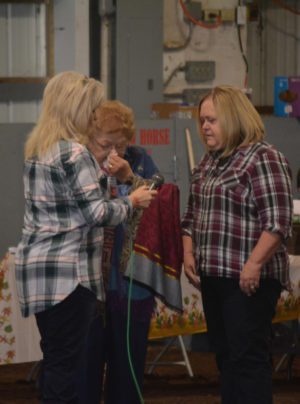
[
  {"x": 109, "y": 345},
  {"x": 63, "y": 330},
  {"x": 118, "y": 369},
  {"x": 91, "y": 372},
  {"x": 239, "y": 330}
]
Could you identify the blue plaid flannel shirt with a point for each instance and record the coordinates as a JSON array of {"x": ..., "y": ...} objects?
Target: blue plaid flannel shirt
[{"x": 66, "y": 206}]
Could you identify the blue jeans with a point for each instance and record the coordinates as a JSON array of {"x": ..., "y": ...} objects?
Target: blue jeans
[
  {"x": 64, "y": 329},
  {"x": 239, "y": 331}
]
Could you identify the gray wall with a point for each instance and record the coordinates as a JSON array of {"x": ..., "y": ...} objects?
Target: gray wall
[
  {"x": 12, "y": 139},
  {"x": 284, "y": 133},
  {"x": 139, "y": 59},
  {"x": 171, "y": 158}
]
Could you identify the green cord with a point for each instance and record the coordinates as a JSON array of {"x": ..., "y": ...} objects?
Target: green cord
[{"x": 128, "y": 325}]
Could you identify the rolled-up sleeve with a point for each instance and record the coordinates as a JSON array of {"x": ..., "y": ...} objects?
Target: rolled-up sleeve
[{"x": 271, "y": 180}]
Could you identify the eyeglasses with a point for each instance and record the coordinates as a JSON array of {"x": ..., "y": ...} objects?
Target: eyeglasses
[
  {"x": 118, "y": 147},
  {"x": 121, "y": 147}
]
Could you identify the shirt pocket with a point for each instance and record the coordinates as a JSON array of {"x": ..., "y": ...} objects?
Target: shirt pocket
[
  {"x": 200, "y": 177},
  {"x": 234, "y": 181}
]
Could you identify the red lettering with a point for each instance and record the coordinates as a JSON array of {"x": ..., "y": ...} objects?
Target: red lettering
[
  {"x": 143, "y": 137},
  {"x": 149, "y": 136},
  {"x": 167, "y": 136},
  {"x": 161, "y": 136},
  {"x": 155, "y": 136}
]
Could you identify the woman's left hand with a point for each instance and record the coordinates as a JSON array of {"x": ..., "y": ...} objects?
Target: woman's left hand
[
  {"x": 265, "y": 248},
  {"x": 190, "y": 270},
  {"x": 119, "y": 168},
  {"x": 249, "y": 278}
]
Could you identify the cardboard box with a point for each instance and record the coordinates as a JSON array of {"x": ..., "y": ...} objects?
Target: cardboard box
[
  {"x": 171, "y": 110},
  {"x": 287, "y": 96}
]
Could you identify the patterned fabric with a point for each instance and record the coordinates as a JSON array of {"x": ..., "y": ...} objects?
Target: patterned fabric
[
  {"x": 66, "y": 205},
  {"x": 158, "y": 247},
  {"x": 142, "y": 299},
  {"x": 132, "y": 225},
  {"x": 231, "y": 202},
  {"x": 109, "y": 239},
  {"x": 7, "y": 334}
]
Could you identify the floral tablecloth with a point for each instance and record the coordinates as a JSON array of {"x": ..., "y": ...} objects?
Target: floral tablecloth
[
  {"x": 7, "y": 336},
  {"x": 167, "y": 323},
  {"x": 19, "y": 337}
]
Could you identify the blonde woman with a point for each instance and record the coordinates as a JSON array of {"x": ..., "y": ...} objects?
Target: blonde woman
[
  {"x": 235, "y": 228},
  {"x": 66, "y": 205}
]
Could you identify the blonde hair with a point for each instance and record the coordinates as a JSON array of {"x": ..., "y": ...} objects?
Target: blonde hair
[
  {"x": 68, "y": 104},
  {"x": 239, "y": 121},
  {"x": 116, "y": 110}
]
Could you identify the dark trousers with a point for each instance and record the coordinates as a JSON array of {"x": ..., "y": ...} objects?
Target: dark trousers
[
  {"x": 109, "y": 345},
  {"x": 63, "y": 330},
  {"x": 90, "y": 381},
  {"x": 239, "y": 330},
  {"x": 120, "y": 387}
]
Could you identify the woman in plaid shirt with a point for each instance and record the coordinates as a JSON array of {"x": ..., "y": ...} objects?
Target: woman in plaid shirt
[
  {"x": 58, "y": 260},
  {"x": 235, "y": 227}
]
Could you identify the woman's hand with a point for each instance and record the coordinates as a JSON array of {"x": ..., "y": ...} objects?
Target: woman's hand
[
  {"x": 190, "y": 269},
  {"x": 189, "y": 261},
  {"x": 267, "y": 245},
  {"x": 119, "y": 168},
  {"x": 142, "y": 197},
  {"x": 249, "y": 278}
]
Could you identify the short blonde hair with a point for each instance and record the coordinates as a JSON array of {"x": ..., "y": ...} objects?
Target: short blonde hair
[
  {"x": 116, "y": 110},
  {"x": 240, "y": 123},
  {"x": 68, "y": 104}
]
